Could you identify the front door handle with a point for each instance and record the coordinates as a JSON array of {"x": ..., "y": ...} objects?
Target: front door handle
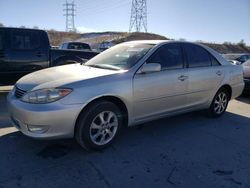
[
  {"x": 182, "y": 78},
  {"x": 219, "y": 73}
]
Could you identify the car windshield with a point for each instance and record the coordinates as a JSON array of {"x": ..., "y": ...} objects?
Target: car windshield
[{"x": 120, "y": 57}]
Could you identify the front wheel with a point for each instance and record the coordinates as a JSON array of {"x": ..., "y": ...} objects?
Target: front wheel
[
  {"x": 219, "y": 103},
  {"x": 98, "y": 125}
]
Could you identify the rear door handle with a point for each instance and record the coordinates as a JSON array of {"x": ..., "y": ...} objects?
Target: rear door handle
[
  {"x": 182, "y": 78},
  {"x": 219, "y": 73}
]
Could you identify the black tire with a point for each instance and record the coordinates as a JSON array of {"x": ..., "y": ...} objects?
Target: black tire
[
  {"x": 213, "y": 109},
  {"x": 83, "y": 126}
]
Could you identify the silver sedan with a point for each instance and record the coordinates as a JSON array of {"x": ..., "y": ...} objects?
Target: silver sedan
[{"x": 129, "y": 84}]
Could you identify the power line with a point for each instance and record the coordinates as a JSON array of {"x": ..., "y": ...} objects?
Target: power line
[
  {"x": 138, "y": 18},
  {"x": 70, "y": 16}
]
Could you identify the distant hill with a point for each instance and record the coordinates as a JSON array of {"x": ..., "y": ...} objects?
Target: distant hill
[
  {"x": 95, "y": 38},
  {"x": 92, "y": 38},
  {"x": 118, "y": 37},
  {"x": 229, "y": 48},
  {"x": 57, "y": 37}
]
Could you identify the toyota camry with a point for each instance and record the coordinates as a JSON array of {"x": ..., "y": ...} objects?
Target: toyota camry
[{"x": 130, "y": 83}]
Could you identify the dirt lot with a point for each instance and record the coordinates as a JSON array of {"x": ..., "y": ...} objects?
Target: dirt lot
[{"x": 189, "y": 150}]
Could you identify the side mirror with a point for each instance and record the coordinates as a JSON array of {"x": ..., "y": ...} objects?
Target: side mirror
[{"x": 150, "y": 67}]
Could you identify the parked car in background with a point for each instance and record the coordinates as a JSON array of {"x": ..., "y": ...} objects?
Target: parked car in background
[
  {"x": 105, "y": 45},
  {"x": 235, "y": 58},
  {"x": 246, "y": 74},
  {"x": 23, "y": 51},
  {"x": 75, "y": 46},
  {"x": 234, "y": 62},
  {"x": 128, "y": 84}
]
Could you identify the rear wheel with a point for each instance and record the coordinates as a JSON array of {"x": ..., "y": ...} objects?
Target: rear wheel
[
  {"x": 219, "y": 103},
  {"x": 98, "y": 125}
]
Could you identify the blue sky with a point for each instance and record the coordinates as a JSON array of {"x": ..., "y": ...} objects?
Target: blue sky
[{"x": 207, "y": 20}]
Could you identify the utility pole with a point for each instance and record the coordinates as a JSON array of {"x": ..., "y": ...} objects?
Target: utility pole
[
  {"x": 138, "y": 18},
  {"x": 70, "y": 15}
]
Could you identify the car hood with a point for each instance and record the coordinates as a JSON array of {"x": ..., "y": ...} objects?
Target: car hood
[{"x": 59, "y": 76}]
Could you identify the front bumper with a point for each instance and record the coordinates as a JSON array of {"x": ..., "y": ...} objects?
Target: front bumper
[{"x": 56, "y": 120}]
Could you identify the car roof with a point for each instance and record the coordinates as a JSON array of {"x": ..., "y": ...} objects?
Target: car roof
[
  {"x": 147, "y": 41},
  {"x": 160, "y": 42},
  {"x": 156, "y": 42}
]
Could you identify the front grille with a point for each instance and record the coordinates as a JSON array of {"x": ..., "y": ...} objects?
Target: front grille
[{"x": 19, "y": 92}]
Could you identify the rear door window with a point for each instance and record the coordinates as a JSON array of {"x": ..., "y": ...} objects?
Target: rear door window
[
  {"x": 197, "y": 56},
  {"x": 169, "y": 56},
  {"x": 25, "y": 40}
]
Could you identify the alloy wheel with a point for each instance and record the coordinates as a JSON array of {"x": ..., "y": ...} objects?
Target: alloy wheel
[
  {"x": 103, "y": 128},
  {"x": 220, "y": 103}
]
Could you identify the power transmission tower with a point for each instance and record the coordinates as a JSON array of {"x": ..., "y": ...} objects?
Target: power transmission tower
[
  {"x": 138, "y": 18},
  {"x": 70, "y": 16}
]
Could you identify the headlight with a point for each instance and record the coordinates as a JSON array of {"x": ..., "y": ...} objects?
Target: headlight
[{"x": 43, "y": 96}]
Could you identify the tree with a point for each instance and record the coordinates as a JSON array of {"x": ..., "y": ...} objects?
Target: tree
[
  {"x": 52, "y": 30},
  {"x": 242, "y": 43},
  {"x": 227, "y": 43}
]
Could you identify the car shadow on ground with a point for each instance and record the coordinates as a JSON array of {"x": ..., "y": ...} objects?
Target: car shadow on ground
[
  {"x": 181, "y": 151},
  {"x": 244, "y": 98},
  {"x": 4, "y": 121}
]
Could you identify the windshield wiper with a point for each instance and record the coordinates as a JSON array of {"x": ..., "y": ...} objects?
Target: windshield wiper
[{"x": 105, "y": 66}]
